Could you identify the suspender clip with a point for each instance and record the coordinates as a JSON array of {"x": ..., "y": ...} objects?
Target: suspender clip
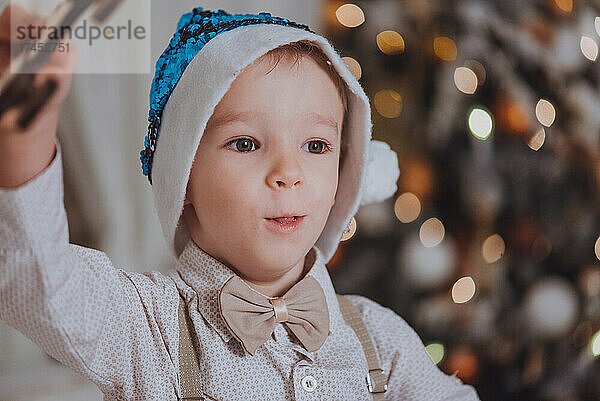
[{"x": 376, "y": 381}]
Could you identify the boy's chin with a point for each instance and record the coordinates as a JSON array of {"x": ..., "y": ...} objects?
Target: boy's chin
[{"x": 277, "y": 256}]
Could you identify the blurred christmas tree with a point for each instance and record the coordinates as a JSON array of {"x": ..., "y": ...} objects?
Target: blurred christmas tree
[{"x": 491, "y": 247}]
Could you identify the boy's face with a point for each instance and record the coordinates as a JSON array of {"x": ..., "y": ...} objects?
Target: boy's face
[{"x": 278, "y": 156}]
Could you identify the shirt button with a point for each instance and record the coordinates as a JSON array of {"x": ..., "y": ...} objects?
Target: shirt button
[{"x": 309, "y": 383}]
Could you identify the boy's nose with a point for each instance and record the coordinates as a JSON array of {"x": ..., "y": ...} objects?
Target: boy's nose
[{"x": 285, "y": 173}]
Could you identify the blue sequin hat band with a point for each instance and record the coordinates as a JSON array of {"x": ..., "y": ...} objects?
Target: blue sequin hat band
[{"x": 194, "y": 30}]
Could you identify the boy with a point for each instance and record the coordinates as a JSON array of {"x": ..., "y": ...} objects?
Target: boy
[{"x": 268, "y": 164}]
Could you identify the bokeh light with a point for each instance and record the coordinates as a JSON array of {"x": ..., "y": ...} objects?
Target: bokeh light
[
  {"x": 418, "y": 177},
  {"x": 388, "y": 103},
  {"x": 493, "y": 248},
  {"x": 426, "y": 268},
  {"x": 551, "y": 307},
  {"x": 431, "y": 232},
  {"x": 597, "y": 248},
  {"x": 436, "y": 352},
  {"x": 564, "y": 5},
  {"x": 350, "y": 15},
  {"x": 463, "y": 290},
  {"x": 545, "y": 112},
  {"x": 465, "y": 363},
  {"x": 516, "y": 118},
  {"x": 353, "y": 66},
  {"x": 589, "y": 48},
  {"x": 480, "y": 123},
  {"x": 445, "y": 48},
  {"x": 595, "y": 344},
  {"x": 537, "y": 140},
  {"x": 589, "y": 281},
  {"x": 407, "y": 207},
  {"x": 390, "y": 42},
  {"x": 541, "y": 248},
  {"x": 465, "y": 80},
  {"x": 350, "y": 230},
  {"x": 478, "y": 69}
]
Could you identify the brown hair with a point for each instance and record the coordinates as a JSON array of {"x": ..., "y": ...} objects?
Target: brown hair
[{"x": 303, "y": 48}]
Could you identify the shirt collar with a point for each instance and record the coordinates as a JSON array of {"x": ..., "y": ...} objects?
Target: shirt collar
[{"x": 206, "y": 275}]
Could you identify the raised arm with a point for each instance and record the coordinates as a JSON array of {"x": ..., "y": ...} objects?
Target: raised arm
[
  {"x": 112, "y": 326},
  {"x": 117, "y": 328}
]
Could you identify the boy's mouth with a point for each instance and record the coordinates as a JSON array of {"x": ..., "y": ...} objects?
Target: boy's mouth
[
  {"x": 286, "y": 219},
  {"x": 284, "y": 224}
]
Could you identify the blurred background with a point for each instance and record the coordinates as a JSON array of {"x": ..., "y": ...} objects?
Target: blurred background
[{"x": 490, "y": 249}]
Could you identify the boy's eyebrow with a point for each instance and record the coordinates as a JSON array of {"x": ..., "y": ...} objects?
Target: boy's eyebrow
[
  {"x": 230, "y": 117},
  {"x": 322, "y": 120}
]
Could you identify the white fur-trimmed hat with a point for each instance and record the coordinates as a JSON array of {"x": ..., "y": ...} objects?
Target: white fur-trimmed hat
[{"x": 181, "y": 105}]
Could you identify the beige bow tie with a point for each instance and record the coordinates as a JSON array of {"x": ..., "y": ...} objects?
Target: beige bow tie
[{"x": 251, "y": 317}]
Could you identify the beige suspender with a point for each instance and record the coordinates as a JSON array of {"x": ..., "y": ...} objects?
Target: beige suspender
[
  {"x": 190, "y": 378},
  {"x": 191, "y": 383},
  {"x": 376, "y": 380}
]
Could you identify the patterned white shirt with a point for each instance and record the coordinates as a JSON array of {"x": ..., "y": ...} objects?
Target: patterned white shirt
[{"x": 120, "y": 329}]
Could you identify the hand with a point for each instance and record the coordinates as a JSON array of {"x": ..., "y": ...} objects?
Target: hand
[{"x": 24, "y": 153}]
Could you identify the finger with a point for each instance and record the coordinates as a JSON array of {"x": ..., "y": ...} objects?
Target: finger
[
  {"x": 4, "y": 56},
  {"x": 13, "y": 16},
  {"x": 40, "y": 122},
  {"x": 8, "y": 121},
  {"x": 50, "y": 104},
  {"x": 9, "y": 10}
]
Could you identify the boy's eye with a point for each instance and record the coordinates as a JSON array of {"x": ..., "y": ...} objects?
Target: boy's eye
[
  {"x": 247, "y": 145},
  {"x": 317, "y": 146},
  {"x": 243, "y": 144}
]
